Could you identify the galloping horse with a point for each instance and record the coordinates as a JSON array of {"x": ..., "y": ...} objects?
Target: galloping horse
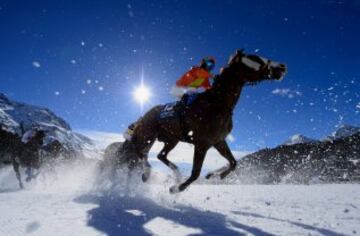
[
  {"x": 206, "y": 122},
  {"x": 23, "y": 154}
]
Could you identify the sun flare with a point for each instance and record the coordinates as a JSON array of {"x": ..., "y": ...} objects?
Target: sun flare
[{"x": 142, "y": 94}]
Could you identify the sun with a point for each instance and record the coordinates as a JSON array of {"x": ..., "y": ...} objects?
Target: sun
[{"x": 142, "y": 94}]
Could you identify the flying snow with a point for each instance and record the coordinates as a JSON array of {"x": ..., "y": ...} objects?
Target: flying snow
[
  {"x": 36, "y": 64},
  {"x": 230, "y": 138},
  {"x": 286, "y": 92}
]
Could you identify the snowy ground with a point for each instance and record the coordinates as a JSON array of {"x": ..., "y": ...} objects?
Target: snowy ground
[{"x": 69, "y": 204}]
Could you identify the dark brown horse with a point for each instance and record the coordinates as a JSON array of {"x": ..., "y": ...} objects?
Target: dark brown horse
[
  {"x": 207, "y": 121},
  {"x": 22, "y": 154}
]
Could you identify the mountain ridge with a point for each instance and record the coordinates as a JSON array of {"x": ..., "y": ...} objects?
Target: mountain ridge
[{"x": 18, "y": 117}]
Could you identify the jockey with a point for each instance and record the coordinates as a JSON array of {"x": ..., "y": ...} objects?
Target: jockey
[{"x": 196, "y": 80}]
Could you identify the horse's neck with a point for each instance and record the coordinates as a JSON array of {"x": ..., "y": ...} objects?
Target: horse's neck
[
  {"x": 35, "y": 142},
  {"x": 227, "y": 90}
]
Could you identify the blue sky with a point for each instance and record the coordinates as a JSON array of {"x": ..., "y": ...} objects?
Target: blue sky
[{"x": 83, "y": 59}]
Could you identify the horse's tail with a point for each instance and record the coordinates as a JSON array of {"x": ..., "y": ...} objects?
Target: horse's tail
[{"x": 147, "y": 128}]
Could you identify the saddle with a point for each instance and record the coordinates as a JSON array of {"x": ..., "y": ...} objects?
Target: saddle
[{"x": 177, "y": 111}]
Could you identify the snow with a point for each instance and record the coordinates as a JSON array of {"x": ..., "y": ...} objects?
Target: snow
[
  {"x": 230, "y": 138},
  {"x": 343, "y": 131},
  {"x": 297, "y": 139},
  {"x": 72, "y": 203},
  {"x": 36, "y": 64},
  {"x": 286, "y": 92},
  {"x": 72, "y": 198}
]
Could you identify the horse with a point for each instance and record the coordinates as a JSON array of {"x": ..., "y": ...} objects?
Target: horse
[
  {"x": 206, "y": 122},
  {"x": 56, "y": 149},
  {"x": 8, "y": 142},
  {"x": 23, "y": 154}
]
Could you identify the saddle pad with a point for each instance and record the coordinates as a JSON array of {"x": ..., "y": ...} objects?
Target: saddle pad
[{"x": 168, "y": 111}]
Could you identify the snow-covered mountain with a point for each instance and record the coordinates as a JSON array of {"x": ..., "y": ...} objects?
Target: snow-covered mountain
[
  {"x": 329, "y": 161},
  {"x": 297, "y": 139},
  {"x": 343, "y": 131},
  {"x": 18, "y": 117}
]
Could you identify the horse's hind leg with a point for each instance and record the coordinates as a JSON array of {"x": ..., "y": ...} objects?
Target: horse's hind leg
[
  {"x": 162, "y": 156},
  {"x": 16, "y": 166},
  {"x": 29, "y": 173},
  {"x": 147, "y": 170},
  {"x": 225, "y": 151}
]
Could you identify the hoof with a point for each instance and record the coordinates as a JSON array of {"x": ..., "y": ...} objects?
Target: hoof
[
  {"x": 209, "y": 175},
  {"x": 223, "y": 175},
  {"x": 174, "y": 189},
  {"x": 145, "y": 177}
]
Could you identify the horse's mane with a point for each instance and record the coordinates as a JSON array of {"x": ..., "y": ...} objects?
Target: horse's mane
[{"x": 219, "y": 81}]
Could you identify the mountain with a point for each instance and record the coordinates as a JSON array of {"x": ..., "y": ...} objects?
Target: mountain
[
  {"x": 297, "y": 139},
  {"x": 17, "y": 117},
  {"x": 326, "y": 161},
  {"x": 343, "y": 131}
]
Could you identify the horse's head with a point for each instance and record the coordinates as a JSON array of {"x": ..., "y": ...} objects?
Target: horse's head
[
  {"x": 253, "y": 68},
  {"x": 38, "y": 136}
]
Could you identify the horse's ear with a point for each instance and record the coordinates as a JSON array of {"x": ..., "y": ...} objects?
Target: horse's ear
[{"x": 240, "y": 51}]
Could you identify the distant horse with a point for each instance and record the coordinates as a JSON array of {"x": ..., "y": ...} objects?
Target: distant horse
[
  {"x": 55, "y": 149},
  {"x": 8, "y": 142},
  {"x": 27, "y": 154},
  {"x": 121, "y": 154},
  {"x": 206, "y": 122}
]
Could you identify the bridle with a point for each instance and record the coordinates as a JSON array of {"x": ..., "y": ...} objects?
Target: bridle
[{"x": 264, "y": 69}]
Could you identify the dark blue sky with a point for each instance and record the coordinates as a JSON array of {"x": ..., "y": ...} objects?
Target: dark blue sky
[{"x": 82, "y": 59}]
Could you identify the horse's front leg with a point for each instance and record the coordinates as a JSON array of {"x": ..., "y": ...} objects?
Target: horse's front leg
[
  {"x": 225, "y": 151},
  {"x": 29, "y": 173},
  {"x": 147, "y": 170},
  {"x": 16, "y": 167},
  {"x": 199, "y": 157}
]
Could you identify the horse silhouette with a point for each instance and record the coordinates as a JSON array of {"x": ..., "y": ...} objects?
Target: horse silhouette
[
  {"x": 25, "y": 151},
  {"x": 205, "y": 123}
]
